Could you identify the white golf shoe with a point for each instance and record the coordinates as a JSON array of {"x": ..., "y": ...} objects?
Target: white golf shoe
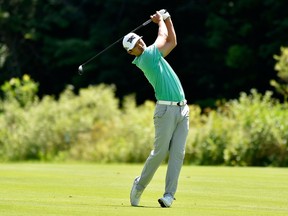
[
  {"x": 166, "y": 201},
  {"x": 135, "y": 194}
]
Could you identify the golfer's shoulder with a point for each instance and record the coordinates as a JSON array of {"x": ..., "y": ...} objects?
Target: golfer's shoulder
[{"x": 152, "y": 50}]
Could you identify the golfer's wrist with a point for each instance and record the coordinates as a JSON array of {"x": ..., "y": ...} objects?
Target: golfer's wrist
[
  {"x": 160, "y": 20},
  {"x": 168, "y": 18}
]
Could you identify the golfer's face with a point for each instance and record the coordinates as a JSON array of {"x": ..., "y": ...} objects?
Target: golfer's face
[{"x": 138, "y": 48}]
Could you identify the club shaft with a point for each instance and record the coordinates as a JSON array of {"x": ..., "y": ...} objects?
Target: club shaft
[{"x": 140, "y": 26}]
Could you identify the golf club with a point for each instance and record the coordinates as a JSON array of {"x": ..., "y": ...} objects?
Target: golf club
[{"x": 80, "y": 68}]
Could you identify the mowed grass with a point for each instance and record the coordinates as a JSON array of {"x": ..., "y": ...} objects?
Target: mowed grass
[{"x": 28, "y": 189}]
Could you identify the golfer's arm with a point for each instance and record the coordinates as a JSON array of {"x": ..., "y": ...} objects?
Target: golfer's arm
[
  {"x": 168, "y": 37},
  {"x": 172, "y": 39}
]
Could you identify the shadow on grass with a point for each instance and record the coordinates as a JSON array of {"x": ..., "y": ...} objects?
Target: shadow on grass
[
  {"x": 129, "y": 206},
  {"x": 144, "y": 206}
]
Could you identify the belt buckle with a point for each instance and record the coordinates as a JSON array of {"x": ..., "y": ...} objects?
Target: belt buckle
[{"x": 181, "y": 103}]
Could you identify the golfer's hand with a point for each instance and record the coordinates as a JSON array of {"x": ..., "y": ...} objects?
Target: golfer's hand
[
  {"x": 156, "y": 18},
  {"x": 164, "y": 13}
]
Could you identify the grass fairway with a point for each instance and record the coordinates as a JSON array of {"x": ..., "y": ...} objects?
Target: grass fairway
[{"x": 92, "y": 189}]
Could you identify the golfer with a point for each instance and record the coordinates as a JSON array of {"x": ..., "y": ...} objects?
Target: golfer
[{"x": 171, "y": 116}]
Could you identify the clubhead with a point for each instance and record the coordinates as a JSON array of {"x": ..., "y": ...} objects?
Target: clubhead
[{"x": 80, "y": 70}]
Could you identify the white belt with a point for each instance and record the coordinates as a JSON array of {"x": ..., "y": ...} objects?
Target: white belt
[{"x": 180, "y": 103}]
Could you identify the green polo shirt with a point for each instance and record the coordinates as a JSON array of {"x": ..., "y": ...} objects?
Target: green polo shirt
[{"x": 160, "y": 74}]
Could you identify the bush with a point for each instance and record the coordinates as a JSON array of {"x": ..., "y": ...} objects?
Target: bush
[
  {"x": 264, "y": 131},
  {"x": 21, "y": 91},
  {"x": 49, "y": 127},
  {"x": 127, "y": 137},
  {"x": 90, "y": 126},
  {"x": 250, "y": 131}
]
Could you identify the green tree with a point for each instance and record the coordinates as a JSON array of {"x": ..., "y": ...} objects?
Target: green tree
[
  {"x": 281, "y": 67},
  {"x": 243, "y": 36},
  {"x": 226, "y": 46},
  {"x": 16, "y": 35}
]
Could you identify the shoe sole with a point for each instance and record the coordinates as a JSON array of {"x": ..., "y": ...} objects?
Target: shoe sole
[{"x": 162, "y": 204}]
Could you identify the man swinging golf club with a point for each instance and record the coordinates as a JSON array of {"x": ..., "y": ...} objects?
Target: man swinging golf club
[{"x": 171, "y": 116}]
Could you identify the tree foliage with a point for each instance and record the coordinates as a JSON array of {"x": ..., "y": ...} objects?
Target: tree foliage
[
  {"x": 281, "y": 67},
  {"x": 224, "y": 47}
]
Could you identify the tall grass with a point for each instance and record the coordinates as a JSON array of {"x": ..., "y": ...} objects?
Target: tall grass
[
  {"x": 252, "y": 130},
  {"x": 90, "y": 126}
]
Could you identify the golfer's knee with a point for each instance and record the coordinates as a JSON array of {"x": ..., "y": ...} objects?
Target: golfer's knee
[
  {"x": 178, "y": 155},
  {"x": 160, "y": 154}
]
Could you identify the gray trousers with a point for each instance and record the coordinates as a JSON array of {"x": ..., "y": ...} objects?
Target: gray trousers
[{"x": 171, "y": 128}]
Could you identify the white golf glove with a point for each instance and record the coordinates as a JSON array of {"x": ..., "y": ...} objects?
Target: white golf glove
[{"x": 164, "y": 13}]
